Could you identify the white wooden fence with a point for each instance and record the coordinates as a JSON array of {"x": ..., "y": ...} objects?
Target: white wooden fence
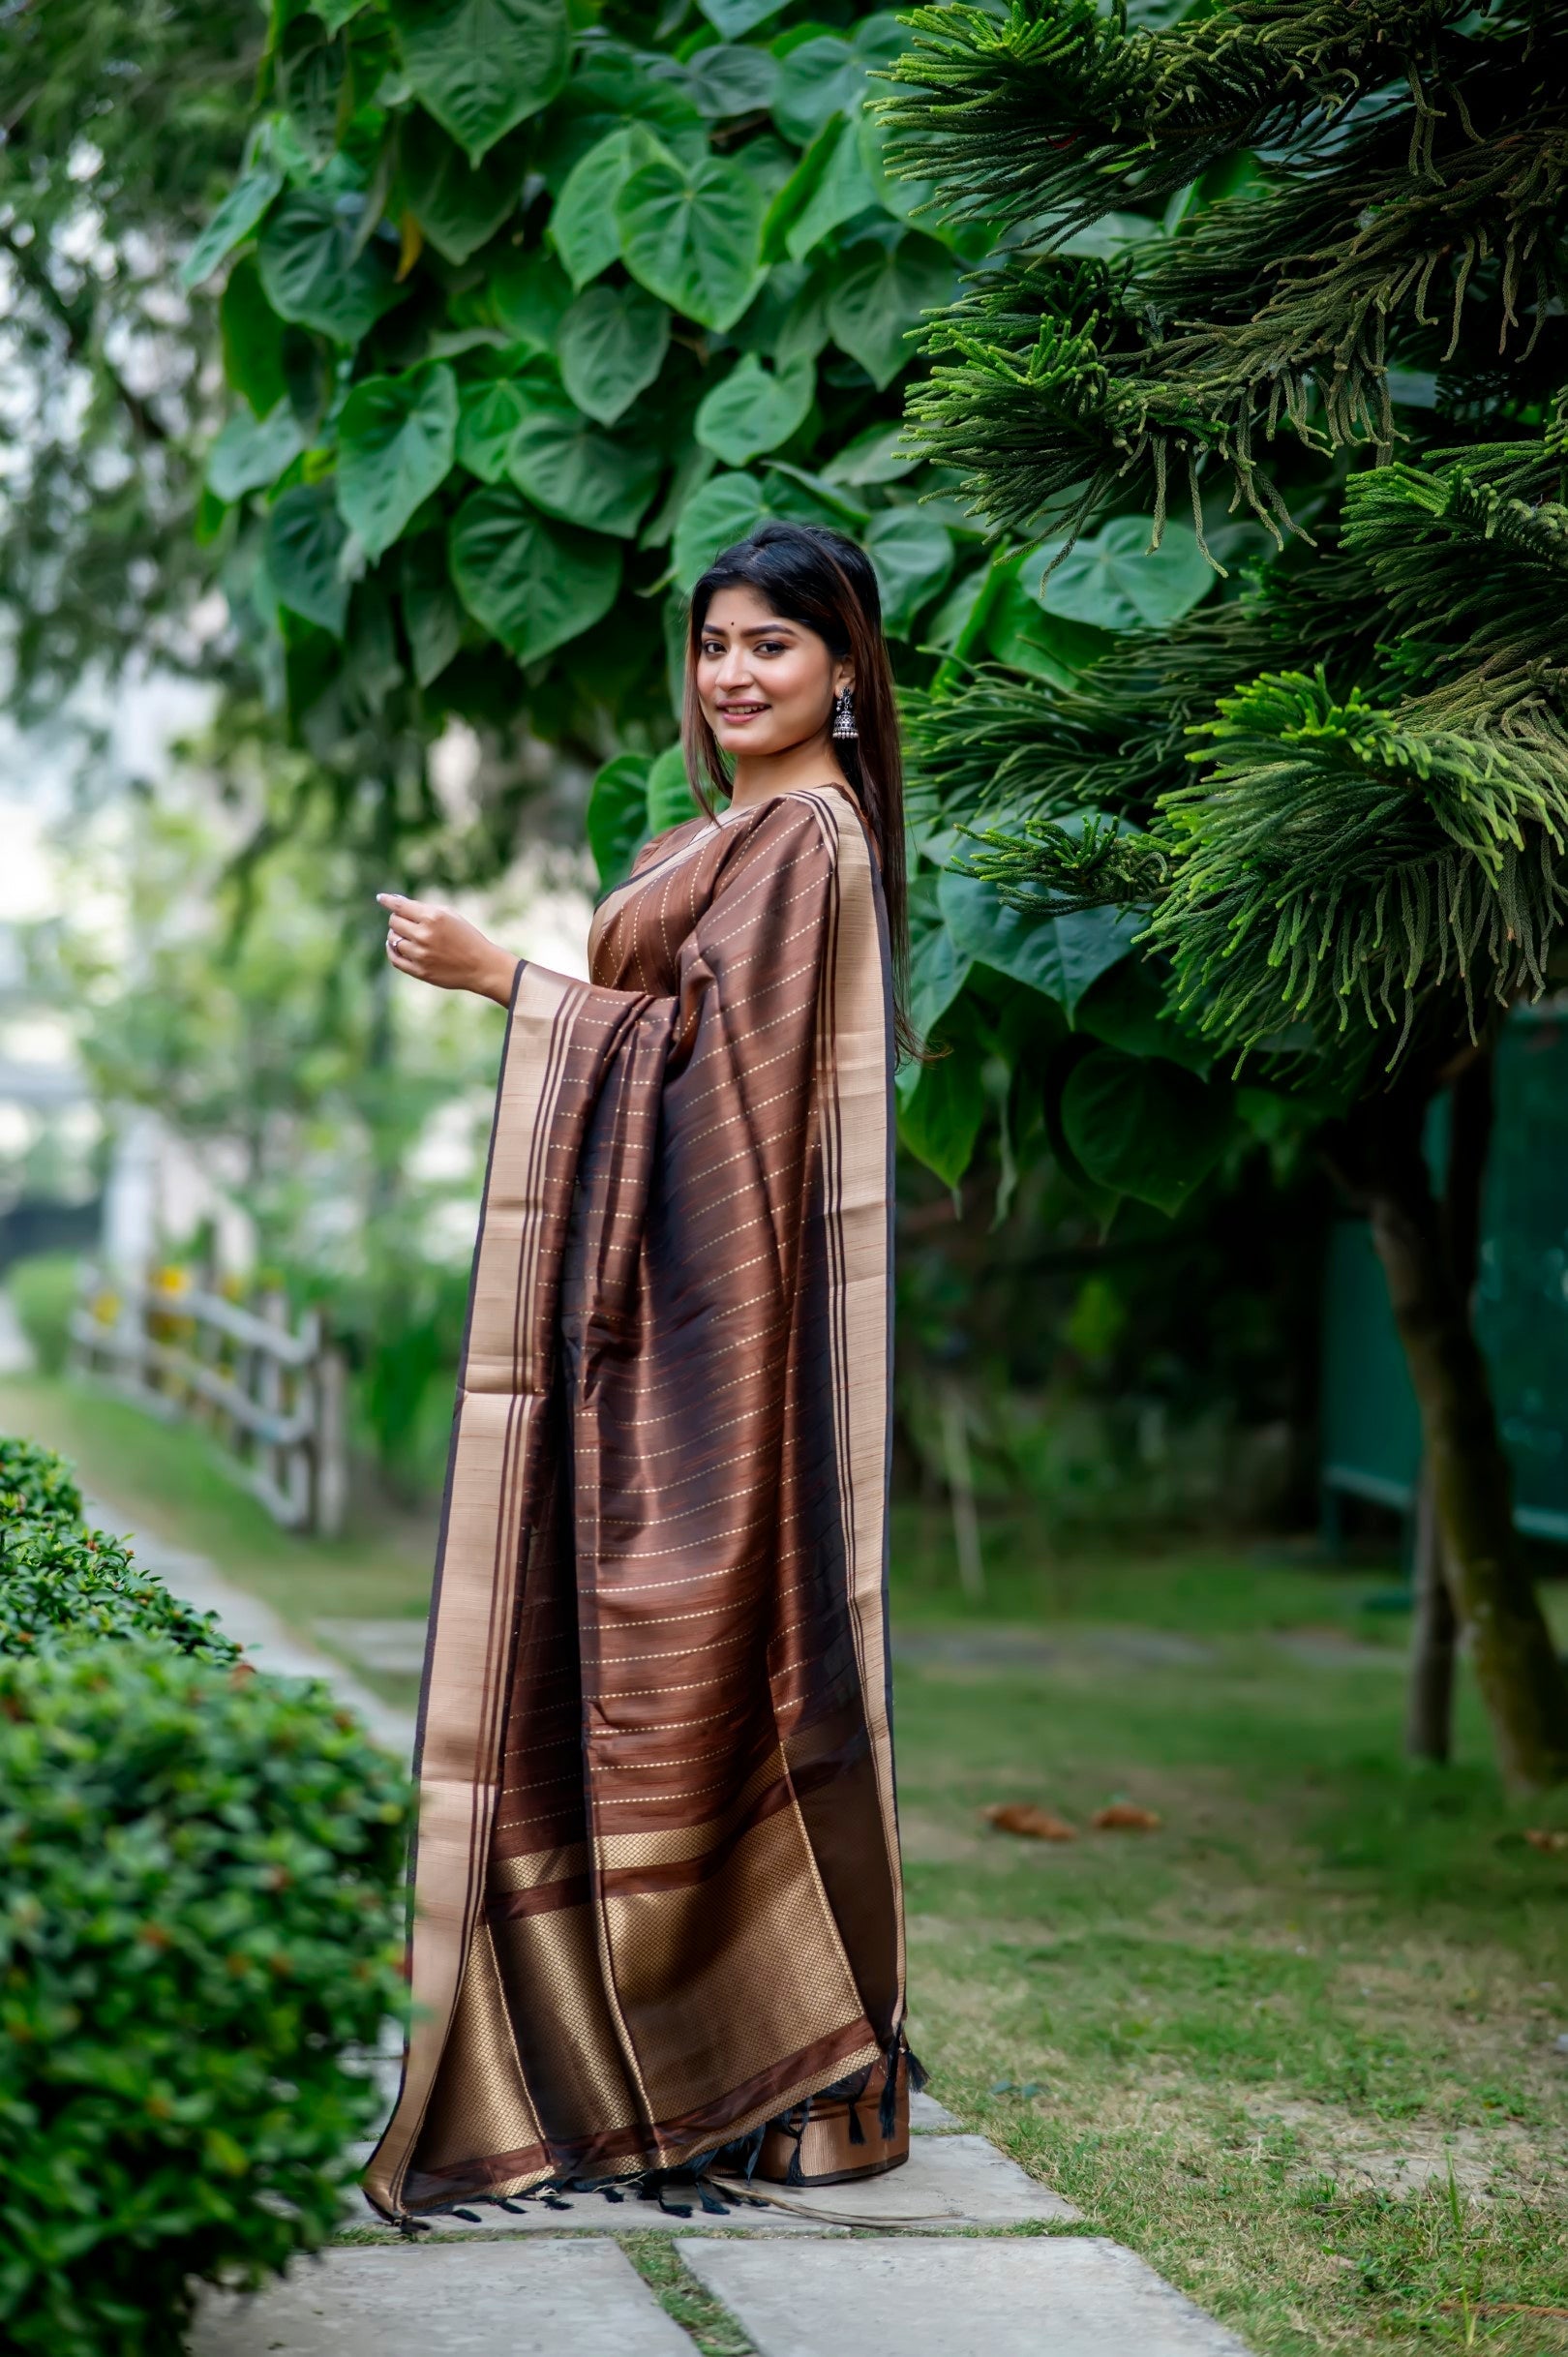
[{"x": 270, "y": 1394}]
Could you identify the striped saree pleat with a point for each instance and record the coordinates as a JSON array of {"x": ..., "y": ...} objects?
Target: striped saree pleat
[{"x": 656, "y": 1892}]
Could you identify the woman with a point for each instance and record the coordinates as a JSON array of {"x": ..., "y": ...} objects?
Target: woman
[{"x": 657, "y": 1897}]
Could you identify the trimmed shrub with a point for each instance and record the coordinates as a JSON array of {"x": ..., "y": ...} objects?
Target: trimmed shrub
[
  {"x": 36, "y": 1484},
  {"x": 61, "y": 1585},
  {"x": 199, "y": 1915},
  {"x": 43, "y": 1289}
]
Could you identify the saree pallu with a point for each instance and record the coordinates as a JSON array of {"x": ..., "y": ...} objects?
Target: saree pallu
[{"x": 656, "y": 1893}]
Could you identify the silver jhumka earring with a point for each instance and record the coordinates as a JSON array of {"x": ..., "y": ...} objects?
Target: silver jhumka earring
[{"x": 844, "y": 714}]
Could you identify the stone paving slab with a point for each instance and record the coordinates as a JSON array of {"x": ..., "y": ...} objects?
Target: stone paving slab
[
  {"x": 1053, "y": 2296},
  {"x": 947, "y": 2182},
  {"x": 396, "y": 1646},
  {"x": 929, "y": 2118},
  {"x": 556, "y": 2299}
]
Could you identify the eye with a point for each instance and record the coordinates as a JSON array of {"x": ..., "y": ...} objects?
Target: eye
[
  {"x": 773, "y": 645},
  {"x": 713, "y": 648}
]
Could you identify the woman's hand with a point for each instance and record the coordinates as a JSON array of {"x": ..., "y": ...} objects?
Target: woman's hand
[{"x": 437, "y": 946}]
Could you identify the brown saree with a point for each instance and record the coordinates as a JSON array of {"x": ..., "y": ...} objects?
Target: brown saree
[{"x": 657, "y": 1897}]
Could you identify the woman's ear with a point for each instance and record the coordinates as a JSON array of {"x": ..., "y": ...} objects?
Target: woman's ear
[{"x": 843, "y": 677}]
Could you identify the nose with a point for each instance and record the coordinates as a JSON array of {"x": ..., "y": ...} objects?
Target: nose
[{"x": 735, "y": 668}]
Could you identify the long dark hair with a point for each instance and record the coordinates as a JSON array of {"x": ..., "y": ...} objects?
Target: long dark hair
[{"x": 818, "y": 578}]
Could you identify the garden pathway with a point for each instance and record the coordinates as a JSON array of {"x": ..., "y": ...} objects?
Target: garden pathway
[{"x": 953, "y": 2255}]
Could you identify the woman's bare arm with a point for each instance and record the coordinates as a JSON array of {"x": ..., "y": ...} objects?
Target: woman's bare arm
[{"x": 437, "y": 946}]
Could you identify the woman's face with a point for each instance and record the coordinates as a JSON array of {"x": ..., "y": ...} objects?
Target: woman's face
[{"x": 764, "y": 684}]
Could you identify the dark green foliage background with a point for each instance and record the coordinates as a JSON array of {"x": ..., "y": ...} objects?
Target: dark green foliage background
[{"x": 508, "y": 375}]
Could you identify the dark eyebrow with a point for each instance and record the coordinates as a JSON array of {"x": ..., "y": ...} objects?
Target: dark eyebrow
[{"x": 751, "y": 630}]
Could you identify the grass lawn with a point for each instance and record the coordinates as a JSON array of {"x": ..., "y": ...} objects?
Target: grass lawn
[
  {"x": 1252, "y": 2043},
  {"x": 1299, "y": 2045}
]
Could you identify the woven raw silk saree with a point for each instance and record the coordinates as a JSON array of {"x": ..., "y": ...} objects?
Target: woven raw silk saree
[{"x": 656, "y": 1896}]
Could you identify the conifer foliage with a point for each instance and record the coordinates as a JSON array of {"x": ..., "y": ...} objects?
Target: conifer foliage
[{"x": 1295, "y": 268}]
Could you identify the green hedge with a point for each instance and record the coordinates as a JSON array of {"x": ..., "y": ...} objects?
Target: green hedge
[
  {"x": 63, "y": 1585},
  {"x": 43, "y": 1290},
  {"x": 200, "y": 1931},
  {"x": 34, "y": 1482}
]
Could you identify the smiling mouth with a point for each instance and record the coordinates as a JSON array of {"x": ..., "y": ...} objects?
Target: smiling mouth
[{"x": 740, "y": 712}]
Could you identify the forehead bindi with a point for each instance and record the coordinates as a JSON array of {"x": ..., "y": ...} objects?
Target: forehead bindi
[{"x": 741, "y": 613}]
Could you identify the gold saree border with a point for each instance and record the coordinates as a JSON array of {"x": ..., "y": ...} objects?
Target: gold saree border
[{"x": 855, "y": 1062}]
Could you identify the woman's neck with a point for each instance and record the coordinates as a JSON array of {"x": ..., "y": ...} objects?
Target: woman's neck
[{"x": 810, "y": 763}]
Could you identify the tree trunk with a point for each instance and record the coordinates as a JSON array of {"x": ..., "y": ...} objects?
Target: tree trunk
[
  {"x": 1428, "y": 1724},
  {"x": 1428, "y": 1727},
  {"x": 1427, "y": 1252}
]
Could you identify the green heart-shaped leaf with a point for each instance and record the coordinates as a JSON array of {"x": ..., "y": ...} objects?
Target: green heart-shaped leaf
[
  {"x": 913, "y": 555},
  {"x": 715, "y": 517},
  {"x": 458, "y": 204},
  {"x": 1058, "y": 955},
  {"x": 565, "y": 464},
  {"x": 1126, "y": 1009},
  {"x": 1116, "y": 582},
  {"x": 531, "y": 583},
  {"x": 938, "y": 970},
  {"x": 314, "y": 272},
  {"x": 584, "y": 228},
  {"x": 733, "y": 17},
  {"x": 755, "y": 410},
  {"x": 817, "y": 79},
  {"x": 490, "y": 414},
  {"x": 828, "y": 186},
  {"x": 530, "y": 296},
  {"x": 482, "y": 66},
  {"x": 249, "y": 455},
  {"x": 731, "y": 79},
  {"x": 1144, "y": 1127},
  {"x": 670, "y": 800},
  {"x": 1019, "y": 631},
  {"x": 432, "y": 614},
  {"x": 235, "y": 220},
  {"x": 396, "y": 444},
  {"x": 692, "y": 235},
  {"x": 873, "y": 310},
  {"x": 253, "y": 338},
  {"x": 612, "y": 87},
  {"x": 827, "y": 74},
  {"x": 878, "y": 455},
  {"x": 617, "y": 816},
  {"x": 940, "y": 1111},
  {"x": 304, "y": 542},
  {"x": 611, "y": 346}
]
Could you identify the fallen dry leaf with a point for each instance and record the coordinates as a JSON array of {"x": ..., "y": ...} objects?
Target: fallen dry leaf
[
  {"x": 1123, "y": 1817},
  {"x": 1546, "y": 1837},
  {"x": 1027, "y": 1818}
]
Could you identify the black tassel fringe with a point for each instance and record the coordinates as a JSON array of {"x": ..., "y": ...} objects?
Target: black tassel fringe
[{"x": 677, "y": 2191}]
